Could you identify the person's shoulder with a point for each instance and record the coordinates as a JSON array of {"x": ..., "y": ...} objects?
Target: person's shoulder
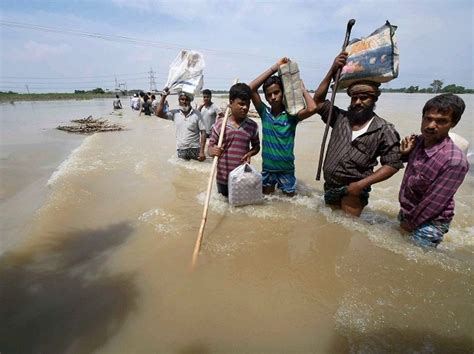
[
  {"x": 453, "y": 155},
  {"x": 251, "y": 122},
  {"x": 197, "y": 113},
  {"x": 384, "y": 124}
]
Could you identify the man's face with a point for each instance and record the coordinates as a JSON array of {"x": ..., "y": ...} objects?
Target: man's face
[
  {"x": 206, "y": 99},
  {"x": 274, "y": 95},
  {"x": 184, "y": 103},
  {"x": 361, "y": 107},
  {"x": 239, "y": 108},
  {"x": 435, "y": 126}
]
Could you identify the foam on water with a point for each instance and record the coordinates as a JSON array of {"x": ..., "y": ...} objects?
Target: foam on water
[
  {"x": 161, "y": 221},
  {"x": 193, "y": 165}
]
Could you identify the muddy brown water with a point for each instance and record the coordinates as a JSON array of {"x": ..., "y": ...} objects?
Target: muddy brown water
[{"x": 100, "y": 263}]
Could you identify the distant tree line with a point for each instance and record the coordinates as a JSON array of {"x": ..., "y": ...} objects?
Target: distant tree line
[{"x": 435, "y": 87}]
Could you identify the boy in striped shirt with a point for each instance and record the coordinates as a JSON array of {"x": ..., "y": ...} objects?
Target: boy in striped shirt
[
  {"x": 241, "y": 140},
  {"x": 278, "y": 131}
]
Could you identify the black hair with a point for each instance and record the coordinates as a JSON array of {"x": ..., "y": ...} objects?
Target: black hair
[
  {"x": 116, "y": 96},
  {"x": 272, "y": 80},
  {"x": 207, "y": 92},
  {"x": 446, "y": 103},
  {"x": 240, "y": 90}
]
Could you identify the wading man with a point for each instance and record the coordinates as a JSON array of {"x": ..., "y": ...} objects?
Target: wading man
[
  {"x": 435, "y": 170},
  {"x": 240, "y": 141},
  {"x": 209, "y": 111},
  {"x": 278, "y": 131},
  {"x": 359, "y": 137},
  {"x": 190, "y": 129}
]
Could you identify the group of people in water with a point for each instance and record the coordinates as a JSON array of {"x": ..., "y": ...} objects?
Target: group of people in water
[{"x": 435, "y": 168}]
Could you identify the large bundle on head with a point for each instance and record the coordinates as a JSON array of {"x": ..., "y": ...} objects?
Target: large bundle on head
[
  {"x": 374, "y": 58},
  {"x": 186, "y": 73},
  {"x": 292, "y": 89}
]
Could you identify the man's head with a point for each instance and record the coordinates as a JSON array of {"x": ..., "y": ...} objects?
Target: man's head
[
  {"x": 273, "y": 90},
  {"x": 116, "y": 96},
  {"x": 239, "y": 100},
  {"x": 185, "y": 100},
  {"x": 207, "y": 96},
  {"x": 363, "y": 95},
  {"x": 440, "y": 114}
]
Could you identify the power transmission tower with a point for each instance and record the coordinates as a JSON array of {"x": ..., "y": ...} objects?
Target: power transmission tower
[
  {"x": 152, "y": 80},
  {"x": 120, "y": 86}
]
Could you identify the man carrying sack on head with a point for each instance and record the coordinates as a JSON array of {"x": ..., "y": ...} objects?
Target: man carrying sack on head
[{"x": 358, "y": 138}]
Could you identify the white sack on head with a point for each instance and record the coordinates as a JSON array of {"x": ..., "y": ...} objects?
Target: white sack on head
[{"x": 186, "y": 72}]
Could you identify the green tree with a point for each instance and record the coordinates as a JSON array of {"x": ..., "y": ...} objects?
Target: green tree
[
  {"x": 437, "y": 85},
  {"x": 412, "y": 89},
  {"x": 454, "y": 89},
  {"x": 98, "y": 90}
]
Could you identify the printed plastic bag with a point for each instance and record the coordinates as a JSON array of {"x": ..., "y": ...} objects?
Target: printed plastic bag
[
  {"x": 245, "y": 185},
  {"x": 186, "y": 72},
  {"x": 374, "y": 58},
  {"x": 293, "y": 93}
]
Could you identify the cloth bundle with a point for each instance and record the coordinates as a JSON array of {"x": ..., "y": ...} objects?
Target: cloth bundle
[
  {"x": 186, "y": 73},
  {"x": 374, "y": 58},
  {"x": 245, "y": 185},
  {"x": 292, "y": 90}
]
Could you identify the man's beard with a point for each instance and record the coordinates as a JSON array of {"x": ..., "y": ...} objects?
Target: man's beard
[
  {"x": 360, "y": 116},
  {"x": 185, "y": 109}
]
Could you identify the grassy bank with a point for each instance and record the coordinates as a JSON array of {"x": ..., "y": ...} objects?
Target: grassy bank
[{"x": 14, "y": 97}]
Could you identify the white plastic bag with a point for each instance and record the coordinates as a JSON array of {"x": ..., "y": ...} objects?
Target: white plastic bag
[
  {"x": 245, "y": 185},
  {"x": 186, "y": 72}
]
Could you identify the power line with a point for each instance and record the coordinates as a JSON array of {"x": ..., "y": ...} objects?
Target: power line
[{"x": 140, "y": 42}]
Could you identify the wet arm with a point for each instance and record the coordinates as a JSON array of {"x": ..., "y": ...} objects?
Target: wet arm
[
  {"x": 383, "y": 173},
  {"x": 310, "y": 105},
  {"x": 161, "y": 105},
  {"x": 322, "y": 90},
  {"x": 255, "y": 84}
]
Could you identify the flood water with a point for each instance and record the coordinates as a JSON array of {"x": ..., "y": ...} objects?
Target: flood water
[{"x": 97, "y": 234}]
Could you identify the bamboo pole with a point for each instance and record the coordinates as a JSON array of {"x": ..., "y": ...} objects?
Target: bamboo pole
[
  {"x": 197, "y": 246},
  {"x": 333, "y": 97}
]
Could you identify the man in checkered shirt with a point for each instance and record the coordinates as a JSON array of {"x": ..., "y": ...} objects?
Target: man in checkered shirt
[{"x": 435, "y": 170}]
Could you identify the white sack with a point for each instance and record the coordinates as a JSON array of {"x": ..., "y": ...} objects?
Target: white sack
[
  {"x": 186, "y": 73},
  {"x": 245, "y": 185}
]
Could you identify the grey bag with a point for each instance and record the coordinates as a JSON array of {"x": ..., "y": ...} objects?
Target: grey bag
[
  {"x": 292, "y": 91},
  {"x": 245, "y": 185}
]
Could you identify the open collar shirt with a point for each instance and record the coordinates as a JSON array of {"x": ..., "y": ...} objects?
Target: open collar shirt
[
  {"x": 350, "y": 160},
  {"x": 188, "y": 128},
  {"x": 431, "y": 179}
]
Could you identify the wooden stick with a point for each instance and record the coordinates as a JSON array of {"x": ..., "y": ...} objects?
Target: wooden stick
[
  {"x": 333, "y": 97},
  {"x": 197, "y": 247}
]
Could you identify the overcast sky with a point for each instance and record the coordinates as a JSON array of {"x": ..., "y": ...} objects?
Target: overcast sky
[{"x": 59, "y": 46}]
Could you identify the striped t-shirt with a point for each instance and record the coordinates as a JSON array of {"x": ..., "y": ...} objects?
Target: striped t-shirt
[
  {"x": 278, "y": 140},
  {"x": 237, "y": 142}
]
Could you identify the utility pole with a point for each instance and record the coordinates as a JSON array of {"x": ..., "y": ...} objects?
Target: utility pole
[
  {"x": 152, "y": 80},
  {"x": 27, "y": 89}
]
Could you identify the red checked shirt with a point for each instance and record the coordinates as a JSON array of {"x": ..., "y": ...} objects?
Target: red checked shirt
[
  {"x": 431, "y": 179},
  {"x": 237, "y": 142}
]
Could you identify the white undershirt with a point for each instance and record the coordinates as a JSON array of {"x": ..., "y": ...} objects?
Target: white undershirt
[{"x": 357, "y": 133}]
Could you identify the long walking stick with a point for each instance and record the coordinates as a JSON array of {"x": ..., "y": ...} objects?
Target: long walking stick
[
  {"x": 197, "y": 247},
  {"x": 333, "y": 97}
]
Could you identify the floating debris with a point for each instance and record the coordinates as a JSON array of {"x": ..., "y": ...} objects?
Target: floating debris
[{"x": 90, "y": 125}]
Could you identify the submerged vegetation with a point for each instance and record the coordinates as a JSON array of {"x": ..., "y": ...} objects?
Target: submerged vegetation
[{"x": 90, "y": 125}]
